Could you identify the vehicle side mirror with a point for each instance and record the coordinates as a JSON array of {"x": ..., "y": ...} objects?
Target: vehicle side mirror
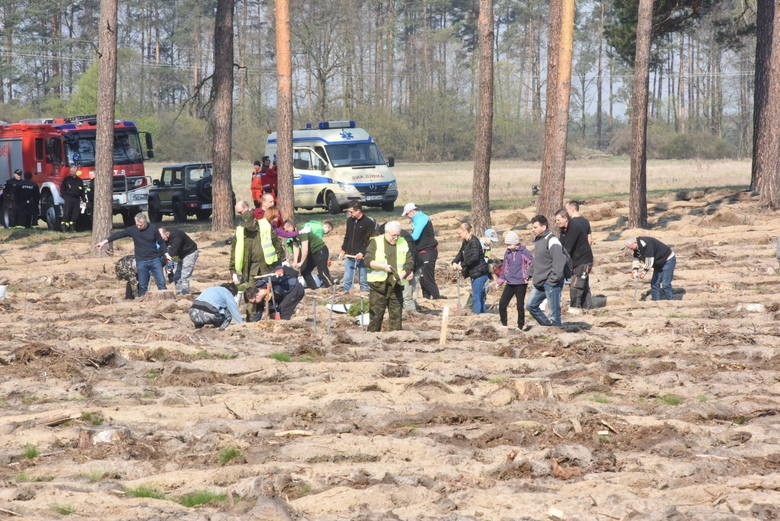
[
  {"x": 156, "y": 182},
  {"x": 391, "y": 161},
  {"x": 149, "y": 145}
]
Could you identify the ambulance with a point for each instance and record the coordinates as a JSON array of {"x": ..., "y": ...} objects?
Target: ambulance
[{"x": 338, "y": 163}]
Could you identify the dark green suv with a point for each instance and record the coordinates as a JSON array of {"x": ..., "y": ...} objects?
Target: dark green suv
[{"x": 183, "y": 189}]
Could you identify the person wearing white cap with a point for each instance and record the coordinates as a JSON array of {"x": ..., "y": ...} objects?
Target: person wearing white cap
[
  {"x": 427, "y": 249},
  {"x": 514, "y": 277}
]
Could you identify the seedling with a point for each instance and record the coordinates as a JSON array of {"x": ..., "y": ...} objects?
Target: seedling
[
  {"x": 63, "y": 510},
  {"x": 93, "y": 418},
  {"x": 145, "y": 491},
  {"x": 30, "y": 451},
  {"x": 228, "y": 454},
  {"x": 671, "y": 399},
  {"x": 201, "y": 497},
  {"x": 281, "y": 357}
]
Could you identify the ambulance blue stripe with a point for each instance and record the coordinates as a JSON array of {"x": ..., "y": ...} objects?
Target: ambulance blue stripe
[{"x": 308, "y": 179}]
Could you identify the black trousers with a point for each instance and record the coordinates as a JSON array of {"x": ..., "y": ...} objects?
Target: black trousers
[
  {"x": 317, "y": 260},
  {"x": 25, "y": 215},
  {"x": 285, "y": 304},
  {"x": 426, "y": 263},
  {"x": 579, "y": 291},
  {"x": 70, "y": 213},
  {"x": 517, "y": 291}
]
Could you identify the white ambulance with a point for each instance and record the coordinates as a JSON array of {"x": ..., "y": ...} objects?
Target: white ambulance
[{"x": 336, "y": 164}]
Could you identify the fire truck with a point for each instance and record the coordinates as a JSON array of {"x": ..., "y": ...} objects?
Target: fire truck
[{"x": 52, "y": 148}]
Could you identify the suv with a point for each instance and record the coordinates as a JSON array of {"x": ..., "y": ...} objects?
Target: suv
[{"x": 183, "y": 189}]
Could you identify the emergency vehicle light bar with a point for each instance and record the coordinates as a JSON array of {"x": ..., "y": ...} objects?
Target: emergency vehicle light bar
[{"x": 325, "y": 125}]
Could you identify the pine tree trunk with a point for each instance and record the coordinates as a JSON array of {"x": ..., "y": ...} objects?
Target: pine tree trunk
[
  {"x": 764, "y": 47},
  {"x": 284, "y": 108},
  {"x": 637, "y": 216},
  {"x": 222, "y": 117},
  {"x": 767, "y": 140},
  {"x": 559, "y": 62},
  {"x": 480, "y": 190},
  {"x": 104, "y": 157}
]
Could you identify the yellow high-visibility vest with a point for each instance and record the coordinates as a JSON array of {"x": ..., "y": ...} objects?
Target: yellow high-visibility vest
[{"x": 401, "y": 249}]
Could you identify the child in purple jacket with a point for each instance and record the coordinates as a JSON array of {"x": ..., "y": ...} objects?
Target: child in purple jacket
[{"x": 514, "y": 277}]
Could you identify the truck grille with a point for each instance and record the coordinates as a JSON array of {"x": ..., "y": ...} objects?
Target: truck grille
[{"x": 373, "y": 189}]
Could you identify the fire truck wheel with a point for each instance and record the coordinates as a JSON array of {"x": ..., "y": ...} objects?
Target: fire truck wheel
[{"x": 51, "y": 212}]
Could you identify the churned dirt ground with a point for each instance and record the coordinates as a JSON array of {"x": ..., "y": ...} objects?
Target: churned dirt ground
[{"x": 121, "y": 410}]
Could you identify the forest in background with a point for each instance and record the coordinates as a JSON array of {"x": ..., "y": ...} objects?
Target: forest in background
[{"x": 404, "y": 69}]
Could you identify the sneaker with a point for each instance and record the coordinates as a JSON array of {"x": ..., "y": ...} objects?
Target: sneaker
[
  {"x": 527, "y": 327},
  {"x": 226, "y": 322}
]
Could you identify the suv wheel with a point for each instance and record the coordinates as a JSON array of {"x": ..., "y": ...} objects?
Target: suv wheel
[
  {"x": 331, "y": 204},
  {"x": 388, "y": 206},
  {"x": 154, "y": 210},
  {"x": 179, "y": 214},
  {"x": 128, "y": 218},
  {"x": 203, "y": 215}
]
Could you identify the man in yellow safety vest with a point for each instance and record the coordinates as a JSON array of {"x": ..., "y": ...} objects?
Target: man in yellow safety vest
[{"x": 391, "y": 266}]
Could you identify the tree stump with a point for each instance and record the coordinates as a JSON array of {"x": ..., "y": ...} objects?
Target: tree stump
[
  {"x": 91, "y": 435},
  {"x": 533, "y": 388}
]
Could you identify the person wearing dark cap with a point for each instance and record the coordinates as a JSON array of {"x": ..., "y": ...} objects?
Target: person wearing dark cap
[
  {"x": 652, "y": 253},
  {"x": 73, "y": 193},
  {"x": 26, "y": 196},
  {"x": 426, "y": 247}
]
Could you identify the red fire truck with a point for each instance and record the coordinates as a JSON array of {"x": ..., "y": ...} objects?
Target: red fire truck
[{"x": 51, "y": 148}]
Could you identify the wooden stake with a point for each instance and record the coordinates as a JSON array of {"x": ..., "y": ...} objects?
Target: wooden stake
[
  {"x": 533, "y": 388},
  {"x": 445, "y": 316}
]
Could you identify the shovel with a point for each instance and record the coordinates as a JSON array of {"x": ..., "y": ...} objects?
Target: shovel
[{"x": 457, "y": 278}]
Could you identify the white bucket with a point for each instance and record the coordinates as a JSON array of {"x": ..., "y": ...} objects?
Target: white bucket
[{"x": 3, "y": 291}]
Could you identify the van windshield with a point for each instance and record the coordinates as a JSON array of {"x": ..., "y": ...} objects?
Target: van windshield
[{"x": 355, "y": 154}]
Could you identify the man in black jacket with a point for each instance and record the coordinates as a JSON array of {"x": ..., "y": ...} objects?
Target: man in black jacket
[
  {"x": 73, "y": 193},
  {"x": 148, "y": 251},
  {"x": 360, "y": 229},
  {"x": 652, "y": 253},
  {"x": 471, "y": 262},
  {"x": 574, "y": 238},
  {"x": 182, "y": 250},
  {"x": 8, "y": 199},
  {"x": 27, "y": 197}
]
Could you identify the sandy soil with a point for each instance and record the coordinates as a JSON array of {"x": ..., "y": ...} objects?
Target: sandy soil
[{"x": 660, "y": 411}]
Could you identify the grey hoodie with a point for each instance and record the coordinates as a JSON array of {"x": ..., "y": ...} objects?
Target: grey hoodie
[{"x": 549, "y": 261}]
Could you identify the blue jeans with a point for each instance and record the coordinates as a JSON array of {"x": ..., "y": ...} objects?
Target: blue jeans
[
  {"x": 349, "y": 274},
  {"x": 478, "y": 294},
  {"x": 553, "y": 295},
  {"x": 662, "y": 280},
  {"x": 152, "y": 267}
]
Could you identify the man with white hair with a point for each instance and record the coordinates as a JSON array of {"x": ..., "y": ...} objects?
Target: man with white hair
[
  {"x": 391, "y": 267},
  {"x": 149, "y": 249}
]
